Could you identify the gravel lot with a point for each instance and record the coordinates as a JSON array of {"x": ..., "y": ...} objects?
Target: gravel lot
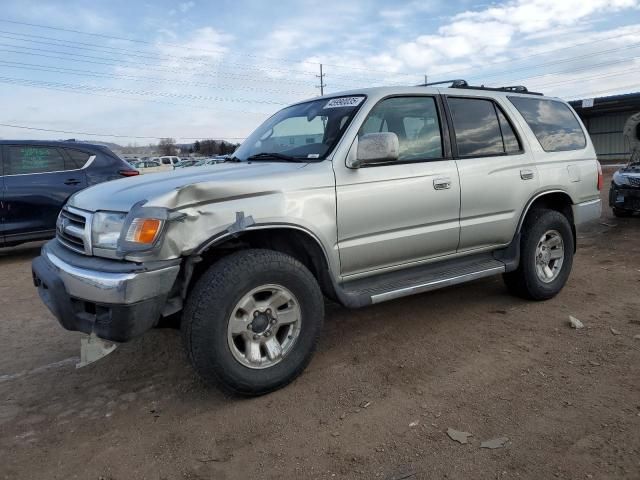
[{"x": 376, "y": 401}]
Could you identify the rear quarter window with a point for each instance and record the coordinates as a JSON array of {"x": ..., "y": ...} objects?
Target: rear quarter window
[
  {"x": 77, "y": 159},
  {"x": 552, "y": 122}
]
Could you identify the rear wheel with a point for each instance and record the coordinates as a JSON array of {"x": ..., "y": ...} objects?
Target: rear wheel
[
  {"x": 252, "y": 321},
  {"x": 546, "y": 256}
]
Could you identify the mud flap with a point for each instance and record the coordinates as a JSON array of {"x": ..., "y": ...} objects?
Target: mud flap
[{"x": 93, "y": 348}]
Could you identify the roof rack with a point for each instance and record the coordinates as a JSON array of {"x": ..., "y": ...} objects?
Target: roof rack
[{"x": 459, "y": 83}]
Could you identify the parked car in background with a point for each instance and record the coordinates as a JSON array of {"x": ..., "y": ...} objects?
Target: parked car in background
[
  {"x": 38, "y": 178},
  {"x": 189, "y": 162},
  {"x": 624, "y": 195},
  {"x": 170, "y": 160},
  {"x": 152, "y": 166},
  {"x": 210, "y": 161}
]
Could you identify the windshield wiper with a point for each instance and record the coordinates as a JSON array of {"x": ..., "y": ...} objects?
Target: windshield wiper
[
  {"x": 232, "y": 159},
  {"x": 275, "y": 156}
]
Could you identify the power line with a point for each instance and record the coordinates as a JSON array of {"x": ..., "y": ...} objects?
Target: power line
[
  {"x": 561, "y": 61},
  {"x": 154, "y": 56},
  {"x": 588, "y": 77},
  {"x": 574, "y": 70},
  {"x": 217, "y": 51},
  {"x": 112, "y": 135},
  {"x": 538, "y": 54},
  {"x": 30, "y": 84},
  {"x": 141, "y": 92},
  {"x": 159, "y": 69},
  {"x": 634, "y": 86},
  {"x": 94, "y": 74}
]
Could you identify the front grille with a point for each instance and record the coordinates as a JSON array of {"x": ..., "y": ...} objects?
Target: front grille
[
  {"x": 634, "y": 181},
  {"x": 73, "y": 230}
]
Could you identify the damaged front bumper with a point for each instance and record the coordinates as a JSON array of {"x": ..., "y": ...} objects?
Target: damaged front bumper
[
  {"x": 115, "y": 300},
  {"x": 624, "y": 198}
]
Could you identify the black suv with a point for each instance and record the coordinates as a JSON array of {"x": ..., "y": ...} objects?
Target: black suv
[
  {"x": 624, "y": 195},
  {"x": 37, "y": 178}
]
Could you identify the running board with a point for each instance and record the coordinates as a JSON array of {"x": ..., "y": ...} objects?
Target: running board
[{"x": 389, "y": 286}]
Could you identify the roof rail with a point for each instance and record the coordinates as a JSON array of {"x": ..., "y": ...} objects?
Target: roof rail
[
  {"x": 459, "y": 83},
  {"x": 454, "y": 83}
]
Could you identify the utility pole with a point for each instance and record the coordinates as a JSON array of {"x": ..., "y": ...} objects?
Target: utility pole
[
  {"x": 425, "y": 80},
  {"x": 322, "y": 84}
]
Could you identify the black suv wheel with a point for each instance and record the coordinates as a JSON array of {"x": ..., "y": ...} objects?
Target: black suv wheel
[
  {"x": 546, "y": 256},
  {"x": 252, "y": 321}
]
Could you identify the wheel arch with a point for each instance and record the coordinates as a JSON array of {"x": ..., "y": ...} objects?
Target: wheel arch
[
  {"x": 557, "y": 200},
  {"x": 293, "y": 240}
]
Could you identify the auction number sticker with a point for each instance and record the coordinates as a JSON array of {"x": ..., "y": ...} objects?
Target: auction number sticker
[{"x": 344, "y": 102}]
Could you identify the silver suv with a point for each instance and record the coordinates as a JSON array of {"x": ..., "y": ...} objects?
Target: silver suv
[{"x": 361, "y": 197}]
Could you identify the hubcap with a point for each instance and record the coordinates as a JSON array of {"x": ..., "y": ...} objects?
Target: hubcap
[
  {"x": 264, "y": 325},
  {"x": 549, "y": 256}
]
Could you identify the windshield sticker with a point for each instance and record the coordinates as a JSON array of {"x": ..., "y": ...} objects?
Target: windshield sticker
[
  {"x": 344, "y": 102},
  {"x": 313, "y": 155}
]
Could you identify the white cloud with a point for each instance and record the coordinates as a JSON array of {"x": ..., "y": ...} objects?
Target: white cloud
[
  {"x": 274, "y": 53},
  {"x": 484, "y": 34},
  {"x": 184, "y": 7}
]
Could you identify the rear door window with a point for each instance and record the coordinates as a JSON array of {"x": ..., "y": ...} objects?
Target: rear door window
[
  {"x": 25, "y": 159},
  {"x": 552, "y": 122},
  {"x": 476, "y": 127}
]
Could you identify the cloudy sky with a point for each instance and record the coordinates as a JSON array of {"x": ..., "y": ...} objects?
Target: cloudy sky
[{"x": 140, "y": 70}]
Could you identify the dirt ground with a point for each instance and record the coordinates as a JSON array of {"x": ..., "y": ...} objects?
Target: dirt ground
[{"x": 376, "y": 402}]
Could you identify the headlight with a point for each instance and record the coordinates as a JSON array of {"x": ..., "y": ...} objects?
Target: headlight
[{"x": 106, "y": 228}]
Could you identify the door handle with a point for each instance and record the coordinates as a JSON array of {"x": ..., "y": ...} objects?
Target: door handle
[
  {"x": 442, "y": 183},
  {"x": 526, "y": 174},
  {"x": 71, "y": 181}
]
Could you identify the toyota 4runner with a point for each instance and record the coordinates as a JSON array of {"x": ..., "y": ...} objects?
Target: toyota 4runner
[{"x": 363, "y": 197}]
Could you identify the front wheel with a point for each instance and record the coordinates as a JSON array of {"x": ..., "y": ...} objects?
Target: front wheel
[
  {"x": 546, "y": 256},
  {"x": 252, "y": 321}
]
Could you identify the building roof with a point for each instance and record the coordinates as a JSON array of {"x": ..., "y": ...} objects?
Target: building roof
[{"x": 613, "y": 104}]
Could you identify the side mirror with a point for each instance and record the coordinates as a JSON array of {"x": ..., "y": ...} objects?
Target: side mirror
[{"x": 374, "y": 148}]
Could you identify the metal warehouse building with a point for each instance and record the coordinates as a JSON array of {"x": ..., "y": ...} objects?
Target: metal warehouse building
[{"x": 605, "y": 119}]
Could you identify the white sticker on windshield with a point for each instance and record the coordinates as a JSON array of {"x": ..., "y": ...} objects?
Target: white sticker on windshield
[
  {"x": 344, "y": 102},
  {"x": 313, "y": 155}
]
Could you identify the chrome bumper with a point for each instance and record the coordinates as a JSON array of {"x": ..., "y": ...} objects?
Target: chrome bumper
[
  {"x": 112, "y": 288},
  {"x": 586, "y": 211}
]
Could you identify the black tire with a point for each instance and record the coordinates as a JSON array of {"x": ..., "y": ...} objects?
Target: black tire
[
  {"x": 621, "y": 213},
  {"x": 524, "y": 281},
  {"x": 209, "y": 306}
]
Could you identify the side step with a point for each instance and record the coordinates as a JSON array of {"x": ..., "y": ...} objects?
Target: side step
[{"x": 424, "y": 278}]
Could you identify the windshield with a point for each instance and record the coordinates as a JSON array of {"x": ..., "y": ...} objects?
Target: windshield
[{"x": 305, "y": 131}]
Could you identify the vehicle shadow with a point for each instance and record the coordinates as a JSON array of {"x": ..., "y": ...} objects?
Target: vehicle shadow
[{"x": 26, "y": 251}]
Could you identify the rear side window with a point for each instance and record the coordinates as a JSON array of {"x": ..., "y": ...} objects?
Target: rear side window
[
  {"x": 33, "y": 159},
  {"x": 553, "y": 123},
  {"x": 77, "y": 159}
]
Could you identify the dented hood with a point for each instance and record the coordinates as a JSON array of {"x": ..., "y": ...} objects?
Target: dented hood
[{"x": 184, "y": 187}]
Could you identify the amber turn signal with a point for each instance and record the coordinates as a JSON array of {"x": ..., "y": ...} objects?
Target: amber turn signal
[{"x": 144, "y": 230}]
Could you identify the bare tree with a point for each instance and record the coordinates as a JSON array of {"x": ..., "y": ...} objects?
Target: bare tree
[{"x": 167, "y": 146}]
